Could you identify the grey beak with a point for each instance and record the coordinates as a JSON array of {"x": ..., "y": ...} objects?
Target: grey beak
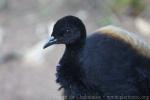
[{"x": 51, "y": 41}]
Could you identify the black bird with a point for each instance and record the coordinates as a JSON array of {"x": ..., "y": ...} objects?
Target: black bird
[{"x": 111, "y": 62}]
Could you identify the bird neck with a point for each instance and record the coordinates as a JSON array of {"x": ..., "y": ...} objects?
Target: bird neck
[
  {"x": 75, "y": 46},
  {"x": 70, "y": 69},
  {"x": 72, "y": 50},
  {"x": 70, "y": 63},
  {"x": 78, "y": 44}
]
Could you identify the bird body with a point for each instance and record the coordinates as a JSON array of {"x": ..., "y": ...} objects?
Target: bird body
[
  {"x": 115, "y": 66},
  {"x": 111, "y": 62}
]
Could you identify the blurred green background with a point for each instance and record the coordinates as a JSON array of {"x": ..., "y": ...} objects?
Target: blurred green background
[{"x": 26, "y": 71}]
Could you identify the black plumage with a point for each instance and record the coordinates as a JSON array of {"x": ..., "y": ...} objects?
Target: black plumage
[{"x": 111, "y": 62}]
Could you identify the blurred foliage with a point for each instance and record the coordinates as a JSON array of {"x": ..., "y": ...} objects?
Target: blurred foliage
[
  {"x": 3, "y": 4},
  {"x": 118, "y": 5},
  {"x": 44, "y": 11},
  {"x": 132, "y": 7},
  {"x": 136, "y": 7},
  {"x": 105, "y": 21}
]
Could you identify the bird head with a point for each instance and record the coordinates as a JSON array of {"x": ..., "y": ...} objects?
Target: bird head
[{"x": 67, "y": 30}]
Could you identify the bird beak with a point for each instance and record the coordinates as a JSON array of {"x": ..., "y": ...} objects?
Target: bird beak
[{"x": 50, "y": 42}]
